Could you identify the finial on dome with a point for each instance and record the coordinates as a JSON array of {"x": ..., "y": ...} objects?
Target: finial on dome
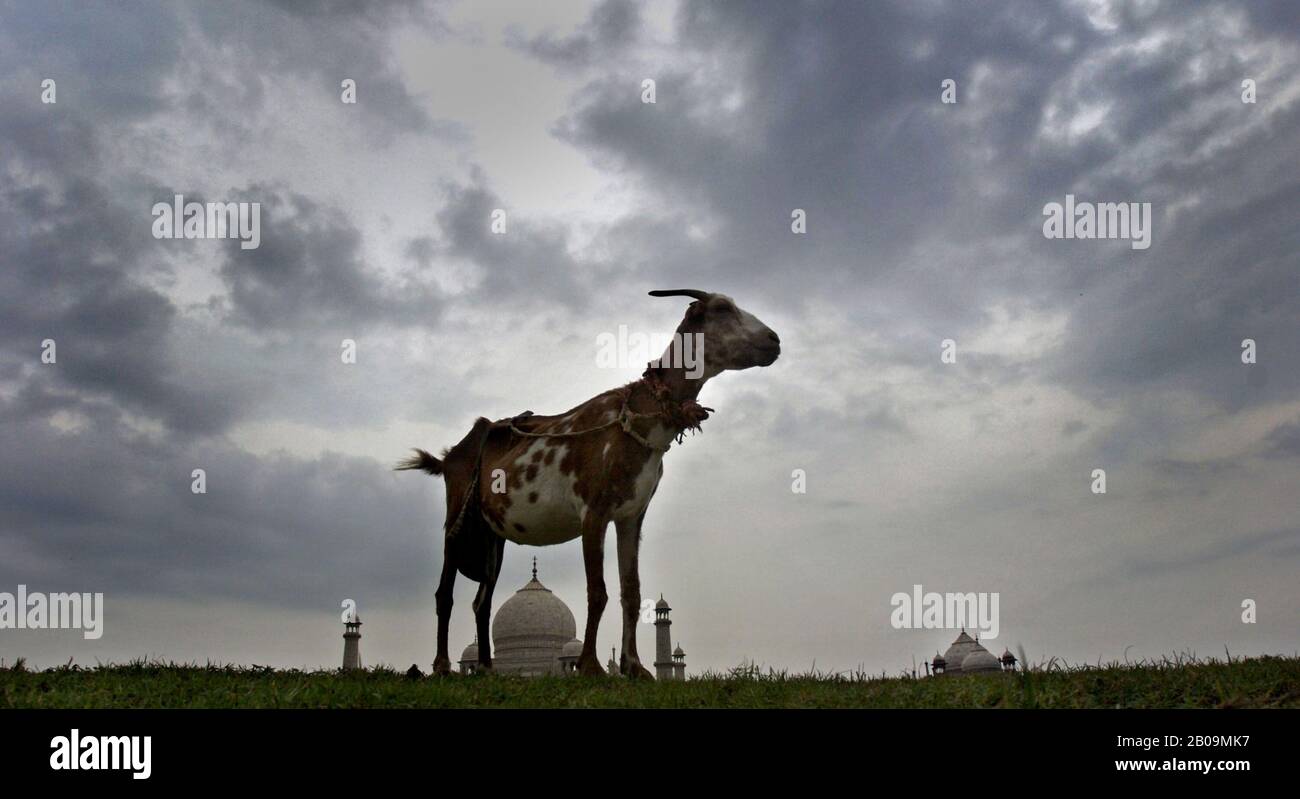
[{"x": 534, "y": 567}]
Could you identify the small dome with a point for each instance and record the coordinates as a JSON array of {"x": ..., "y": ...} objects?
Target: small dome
[
  {"x": 980, "y": 660},
  {"x": 470, "y": 655},
  {"x": 678, "y": 651},
  {"x": 662, "y": 604},
  {"x": 571, "y": 649}
]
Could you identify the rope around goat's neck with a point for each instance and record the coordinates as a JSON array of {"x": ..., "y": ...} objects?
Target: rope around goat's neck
[{"x": 625, "y": 418}]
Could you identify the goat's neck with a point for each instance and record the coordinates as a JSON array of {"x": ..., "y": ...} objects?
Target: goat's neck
[
  {"x": 680, "y": 369},
  {"x": 670, "y": 396},
  {"x": 680, "y": 387}
]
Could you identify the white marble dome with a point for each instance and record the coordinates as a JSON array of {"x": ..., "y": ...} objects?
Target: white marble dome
[
  {"x": 956, "y": 654},
  {"x": 530, "y": 631},
  {"x": 470, "y": 655},
  {"x": 980, "y": 660},
  {"x": 572, "y": 649}
]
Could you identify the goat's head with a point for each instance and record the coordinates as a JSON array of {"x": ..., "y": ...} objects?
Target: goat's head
[{"x": 731, "y": 337}]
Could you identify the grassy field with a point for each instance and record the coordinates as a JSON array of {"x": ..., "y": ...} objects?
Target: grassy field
[{"x": 1176, "y": 683}]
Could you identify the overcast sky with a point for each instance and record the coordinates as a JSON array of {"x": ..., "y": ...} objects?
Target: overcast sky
[{"x": 924, "y": 223}]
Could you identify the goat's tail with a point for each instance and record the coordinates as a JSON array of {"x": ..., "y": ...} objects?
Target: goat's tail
[{"x": 421, "y": 460}]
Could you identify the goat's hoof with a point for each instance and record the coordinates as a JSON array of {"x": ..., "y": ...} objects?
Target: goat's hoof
[
  {"x": 638, "y": 672},
  {"x": 590, "y": 667},
  {"x": 441, "y": 666}
]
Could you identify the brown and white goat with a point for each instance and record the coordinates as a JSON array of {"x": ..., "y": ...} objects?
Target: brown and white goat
[{"x": 571, "y": 474}]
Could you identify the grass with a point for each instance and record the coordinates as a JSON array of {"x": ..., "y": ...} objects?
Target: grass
[{"x": 1177, "y": 682}]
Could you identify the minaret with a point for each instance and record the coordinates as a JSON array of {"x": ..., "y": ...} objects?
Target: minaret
[
  {"x": 663, "y": 641},
  {"x": 679, "y": 663},
  {"x": 352, "y": 642},
  {"x": 612, "y": 667}
]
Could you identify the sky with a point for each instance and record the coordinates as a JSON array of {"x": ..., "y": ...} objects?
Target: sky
[{"x": 924, "y": 224}]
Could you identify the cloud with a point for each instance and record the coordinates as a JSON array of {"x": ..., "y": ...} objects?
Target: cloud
[
  {"x": 612, "y": 26},
  {"x": 310, "y": 270},
  {"x": 102, "y": 507},
  {"x": 75, "y": 254},
  {"x": 1284, "y": 441}
]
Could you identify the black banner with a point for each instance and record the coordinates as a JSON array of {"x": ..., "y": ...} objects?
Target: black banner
[{"x": 193, "y": 748}]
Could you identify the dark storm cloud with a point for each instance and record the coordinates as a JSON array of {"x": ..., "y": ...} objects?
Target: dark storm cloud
[
  {"x": 1284, "y": 441},
  {"x": 836, "y": 115},
  {"x": 80, "y": 264},
  {"x": 113, "y": 62},
  {"x": 322, "y": 42},
  {"x": 527, "y": 264},
  {"x": 1272, "y": 543},
  {"x": 71, "y": 257},
  {"x": 107, "y": 509},
  {"x": 107, "y": 65},
  {"x": 613, "y": 25},
  {"x": 310, "y": 271}
]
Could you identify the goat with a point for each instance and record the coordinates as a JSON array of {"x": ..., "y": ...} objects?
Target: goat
[{"x": 571, "y": 474}]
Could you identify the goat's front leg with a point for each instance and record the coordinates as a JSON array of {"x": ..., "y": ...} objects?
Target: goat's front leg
[
  {"x": 629, "y": 581},
  {"x": 593, "y": 558}
]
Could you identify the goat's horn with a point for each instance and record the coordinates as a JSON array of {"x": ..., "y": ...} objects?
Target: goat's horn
[{"x": 695, "y": 293}]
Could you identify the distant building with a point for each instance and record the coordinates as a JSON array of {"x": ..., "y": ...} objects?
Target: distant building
[
  {"x": 352, "y": 642},
  {"x": 968, "y": 656},
  {"x": 534, "y": 633},
  {"x": 670, "y": 664}
]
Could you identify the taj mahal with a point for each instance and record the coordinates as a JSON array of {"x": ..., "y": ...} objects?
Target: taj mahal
[
  {"x": 968, "y": 656},
  {"x": 534, "y": 633}
]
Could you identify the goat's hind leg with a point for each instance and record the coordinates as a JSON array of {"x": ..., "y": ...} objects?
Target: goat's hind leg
[
  {"x": 483, "y": 603},
  {"x": 442, "y": 663}
]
